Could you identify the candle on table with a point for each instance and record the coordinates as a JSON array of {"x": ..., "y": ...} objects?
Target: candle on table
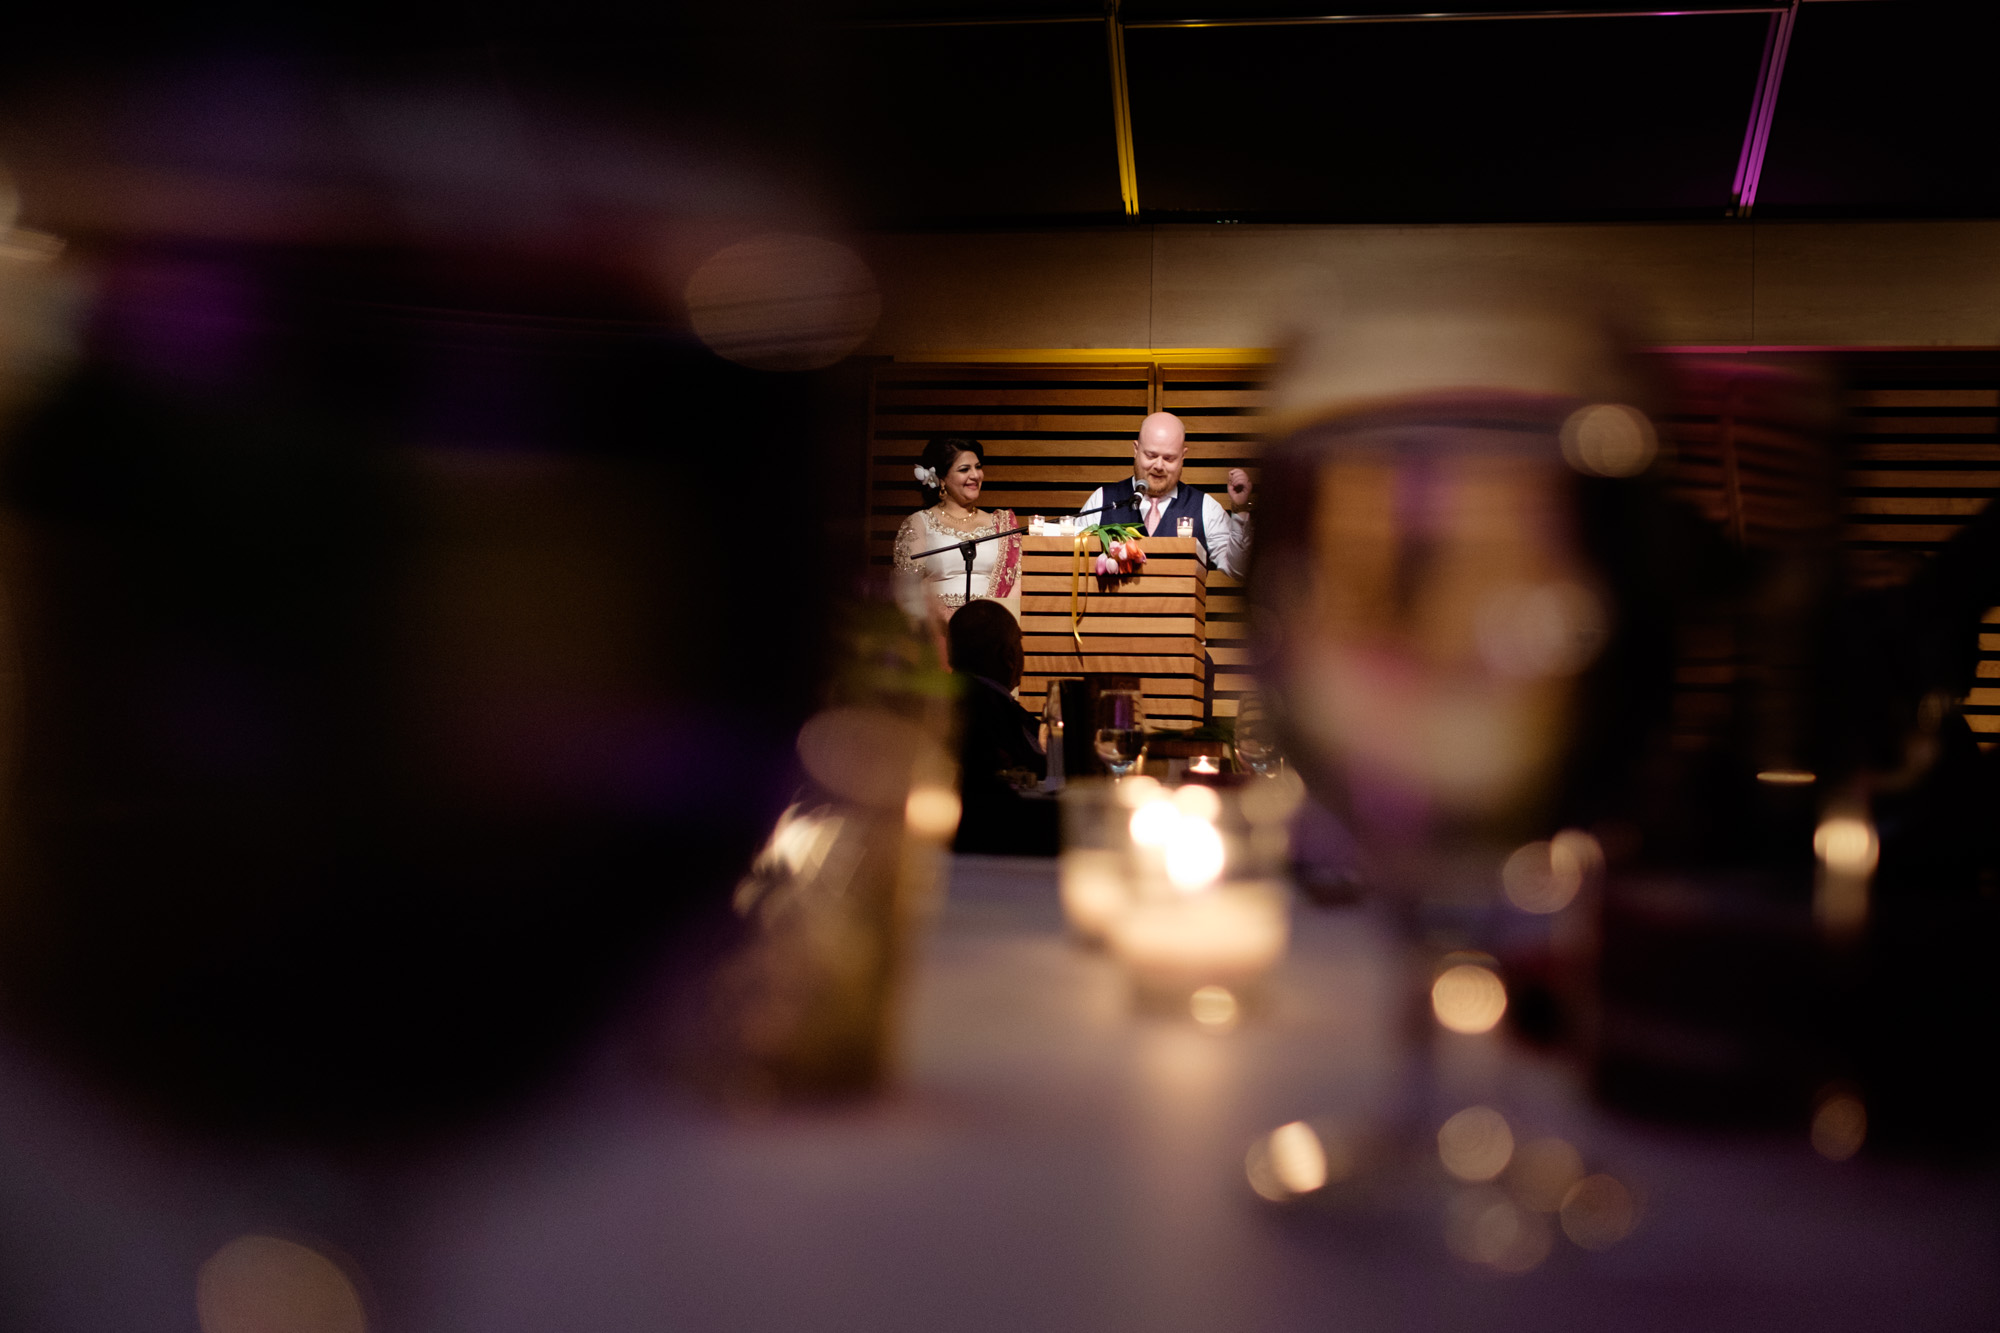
[{"x": 1189, "y": 924}]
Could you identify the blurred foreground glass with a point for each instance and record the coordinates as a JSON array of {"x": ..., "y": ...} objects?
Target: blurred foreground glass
[
  {"x": 1121, "y": 730},
  {"x": 1095, "y": 863},
  {"x": 1431, "y": 590},
  {"x": 373, "y": 688},
  {"x": 1184, "y": 884},
  {"x": 1055, "y": 731},
  {"x": 807, "y": 1006},
  {"x": 1256, "y": 736}
]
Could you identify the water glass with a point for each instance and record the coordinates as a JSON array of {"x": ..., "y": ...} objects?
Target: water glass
[{"x": 1121, "y": 730}]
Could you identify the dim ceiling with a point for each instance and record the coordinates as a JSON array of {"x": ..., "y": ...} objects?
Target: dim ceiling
[{"x": 947, "y": 113}]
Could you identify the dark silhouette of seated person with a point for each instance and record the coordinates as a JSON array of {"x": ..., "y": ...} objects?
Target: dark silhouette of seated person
[{"x": 998, "y": 744}]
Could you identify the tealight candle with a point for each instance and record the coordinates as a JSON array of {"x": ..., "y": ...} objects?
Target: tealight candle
[
  {"x": 1095, "y": 889},
  {"x": 1189, "y": 922},
  {"x": 1228, "y": 935},
  {"x": 1204, "y": 764}
]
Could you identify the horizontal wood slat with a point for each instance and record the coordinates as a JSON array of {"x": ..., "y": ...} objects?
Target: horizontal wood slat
[
  {"x": 1182, "y": 686},
  {"x": 1053, "y": 565},
  {"x": 1139, "y": 645},
  {"x": 1151, "y": 585},
  {"x": 1089, "y": 603},
  {"x": 1124, "y": 664},
  {"x": 1188, "y": 626}
]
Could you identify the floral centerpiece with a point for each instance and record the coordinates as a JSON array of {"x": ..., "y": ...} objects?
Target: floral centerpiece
[{"x": 1122, "y": 553}]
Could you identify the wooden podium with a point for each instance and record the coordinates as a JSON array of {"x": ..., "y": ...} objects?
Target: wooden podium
[{"x": 1150, "y": 626}]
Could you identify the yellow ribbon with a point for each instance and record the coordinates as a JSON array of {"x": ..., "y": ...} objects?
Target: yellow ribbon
[{"x": 1075, "y": 585}]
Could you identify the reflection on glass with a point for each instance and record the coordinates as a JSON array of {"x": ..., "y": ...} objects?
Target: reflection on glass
[
  {"x": 1468, "y": 998},
  {"x": 256, "y": 1283},
  {"x": 1543, "y": 1172},
  {"x": 1215, "y": 1008},
  {"x": 1484, "y": 1226},
  {"x": 1256, "y": 737},
  {"x": 1121, "y": 730},
  {"x": 1598, "y": 1212},
  {"x": 1476, "y": 1144},
  {"x": 1839, "y": 1126}
]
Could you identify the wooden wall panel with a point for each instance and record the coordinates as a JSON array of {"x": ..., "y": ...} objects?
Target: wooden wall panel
[
  {"x": 1923, "y": 458},
  {"x": 1222, "y": 407},
  {"x": 1052, "y": 434}
]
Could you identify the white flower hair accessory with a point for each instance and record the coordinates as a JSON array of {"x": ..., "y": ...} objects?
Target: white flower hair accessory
[{"x": 926, "y": 475}]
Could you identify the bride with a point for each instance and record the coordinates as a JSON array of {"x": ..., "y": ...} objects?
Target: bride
[{"x": 931, "y": 589}]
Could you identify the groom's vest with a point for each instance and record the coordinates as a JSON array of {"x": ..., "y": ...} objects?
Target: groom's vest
[{"x": 1121, "y": 506}]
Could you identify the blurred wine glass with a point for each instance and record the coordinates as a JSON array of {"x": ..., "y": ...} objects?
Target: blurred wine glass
[
  {"x": 1256, "y": 737},
  {"x": 1121, "y": 730},
  {"x": 1441, "y": 474},
  {"x": 1052, "y": 735}
]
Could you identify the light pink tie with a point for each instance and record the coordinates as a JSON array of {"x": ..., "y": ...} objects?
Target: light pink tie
[{"x": 1153, "y": 515}]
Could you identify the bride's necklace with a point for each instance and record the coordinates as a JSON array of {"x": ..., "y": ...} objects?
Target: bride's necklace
[{"x": 970, "y": 520}]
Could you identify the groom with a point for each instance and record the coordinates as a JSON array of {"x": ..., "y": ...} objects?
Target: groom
[{"x": 1154, "y": 497}]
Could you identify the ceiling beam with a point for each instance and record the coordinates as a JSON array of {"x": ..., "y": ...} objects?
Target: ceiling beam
[
  {"x": 1465, "y": 16},
  {"x": 1763, "y": 104},
  {"x": 1121, "y": 113},
  {"x": 1446, "y": 16}
]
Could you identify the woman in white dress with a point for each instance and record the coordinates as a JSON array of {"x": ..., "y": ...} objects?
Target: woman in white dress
[{"x": 931, "y": 589}]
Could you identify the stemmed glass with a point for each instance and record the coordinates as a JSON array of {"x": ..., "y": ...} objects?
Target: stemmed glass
[
  {"x": 1256, "y": 737},
  {"x": 1121, "y": 730},
  {"x": 1053, "y": 728}
]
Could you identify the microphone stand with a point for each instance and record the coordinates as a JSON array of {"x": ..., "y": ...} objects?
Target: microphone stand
[{"x": 969, "y": 548}]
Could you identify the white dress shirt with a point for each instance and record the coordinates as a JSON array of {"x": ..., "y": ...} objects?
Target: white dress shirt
[{"x": 1228, "y": 533}]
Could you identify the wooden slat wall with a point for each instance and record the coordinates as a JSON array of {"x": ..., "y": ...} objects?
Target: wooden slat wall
[
  {"x": 1150, "y": 627},
  {"x": 1925, "y": 458},
  {"x": 1222, "y": 408},
  {"x": 1052, "y": 434}
]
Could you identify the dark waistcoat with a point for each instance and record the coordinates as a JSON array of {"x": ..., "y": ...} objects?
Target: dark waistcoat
[{"x": 1122, "y": 504}]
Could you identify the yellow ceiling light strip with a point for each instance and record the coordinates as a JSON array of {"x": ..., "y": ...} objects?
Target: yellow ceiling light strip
[
  {"x": 1121, "y": 112},
  {"x": 1092, "y": 356}
]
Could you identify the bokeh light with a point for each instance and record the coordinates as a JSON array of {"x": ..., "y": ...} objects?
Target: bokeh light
[
  {"x": 264, "y": 1284},
  {"x": 1598, "y": 1212},
  {"x": 1197, "y": 802},
  {"x": 1215, "y": 1008},
  {"x": 1484, "y": 1226},
  {"x": 1609, "y": 440},
  {"x": 1137, "y": 790},
  {"x": 866, "y": 755},
  {"x": 1543, "y": 1172},
  {"x": 1468, "y": 998},
  {"x": 1294, "y": 1159},
  {"x": 1847, "y": 844},
  {"x": 1787, "y": 777},
  {"x": 1476, "y": 1144},
  {"x": 1154, "y": 822},
  {"x": 1839, "y": 1126},
  {"x": 1194, "y": 854},
  {"x": 1275, "y": 799},
  {"x": 1545, "y": 877},
  {"x": 1531, "y": 631},
  {"x": 932, "y": 811},
  {"x": 784, "y": 302}
]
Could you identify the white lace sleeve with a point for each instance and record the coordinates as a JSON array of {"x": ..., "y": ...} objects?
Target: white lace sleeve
[{"x": 909, "y": 576}]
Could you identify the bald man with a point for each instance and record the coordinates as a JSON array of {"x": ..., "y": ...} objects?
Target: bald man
[{"x": 1153, "y": 496}]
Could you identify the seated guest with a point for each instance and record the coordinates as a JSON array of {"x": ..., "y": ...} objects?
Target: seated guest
[
  {"x": 930, "y": 590},
  {"x": 997, "y": 739},
  {"x": 1153, "y": 496}
]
